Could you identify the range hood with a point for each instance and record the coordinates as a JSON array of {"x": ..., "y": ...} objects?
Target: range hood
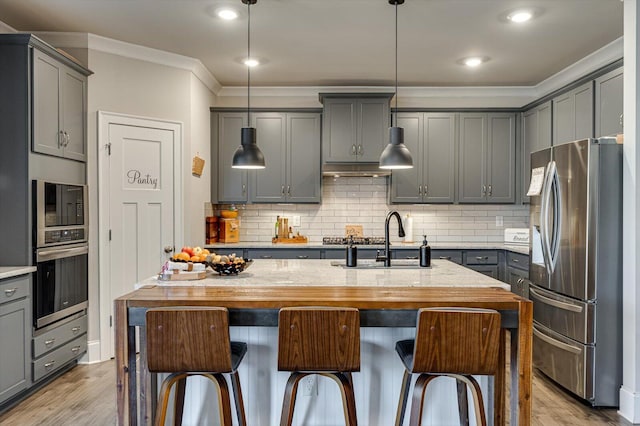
[{"x": 354, "y": 169}]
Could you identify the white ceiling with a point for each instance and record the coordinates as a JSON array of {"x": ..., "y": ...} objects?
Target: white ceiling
[{"x": 346, "y": 42}]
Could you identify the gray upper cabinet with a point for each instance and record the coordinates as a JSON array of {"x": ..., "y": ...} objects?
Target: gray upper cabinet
[
  {"x": 486, "y": 166},
  {"x": 573, "y": 114},
  {"x": 536, "y": 135},
  {"x": 232, "y": 184},
  {"x": 354, "y": 127},
  {"x": 291, "y": 145},
  {"x": 431, "y": 138},
  {"x": 609, "y": 93},
  {"x": 59, "y": 108}
]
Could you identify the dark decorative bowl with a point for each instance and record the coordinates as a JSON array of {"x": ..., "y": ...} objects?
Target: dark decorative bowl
[{"x": 230, "y": 268}]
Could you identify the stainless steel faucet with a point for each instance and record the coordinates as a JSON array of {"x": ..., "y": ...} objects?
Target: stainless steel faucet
[{"x": 387, "y": 251}]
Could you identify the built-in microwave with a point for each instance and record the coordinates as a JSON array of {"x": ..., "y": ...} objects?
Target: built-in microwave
[{"x": 61, "y": 213}]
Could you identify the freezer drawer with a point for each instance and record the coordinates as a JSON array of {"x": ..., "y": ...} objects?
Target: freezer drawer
[
  {"x": 569, "y": 317},
  {"x": 569, "y": 363}
]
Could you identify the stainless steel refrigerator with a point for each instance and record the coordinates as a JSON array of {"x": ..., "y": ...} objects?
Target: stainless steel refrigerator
[{"x": 575, "y": 267}]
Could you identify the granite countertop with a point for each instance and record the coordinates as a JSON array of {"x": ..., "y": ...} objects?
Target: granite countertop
[
  {"x": 522, "y": 249},
  {"x": 14, "y": 271},
  {"x": 320, "y": 272}
]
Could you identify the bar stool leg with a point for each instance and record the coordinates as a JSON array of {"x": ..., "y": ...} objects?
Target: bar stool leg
[
  {"x": 237, "y": 397},
  {"x": 477, "y": 397},
  {"x": 178, "y": 408},
  {"x": 165, "y": 390},
  {"x": 345, "y": 383},
  {"x": 289, "y": 400},
  {"x": 463, "y": 402},
  {"x": 404, "y": 394},
  {"x": 418, "y": 397},
  {"x": 223, "y": 398}
]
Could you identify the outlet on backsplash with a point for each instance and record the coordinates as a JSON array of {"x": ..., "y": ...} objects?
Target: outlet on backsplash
[{"x": 499, "y": 221}]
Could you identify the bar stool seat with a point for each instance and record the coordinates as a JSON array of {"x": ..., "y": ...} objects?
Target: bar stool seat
[
  {"x": 455, "y": 342},
  {"x": 319, "y": 340},
  {"x": 194, "y": 341}
]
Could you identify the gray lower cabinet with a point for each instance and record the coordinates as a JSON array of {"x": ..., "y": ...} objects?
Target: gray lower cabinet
[
  {"x": 483, "y": 261},
  {"x": 15, "y": 329},
  {"x": 453, "y": 255},
  {"x": 59, "y": 345},
  {"x": 431, "y": 138},
  {"x": 228, "y": 185},
  {"x": 609, "y": 93},
  {"x": 59, "y": 108},
  {"x": 355, "y": 126},
  {"x": 291, "y": 146},
  {"x": 486, "y": 166},
  {"x": 573, "y": 114},
  {"x": 536, "y": 135},
  {"x": 282, "y": 253},
  {"x": 517, "y": 274}
]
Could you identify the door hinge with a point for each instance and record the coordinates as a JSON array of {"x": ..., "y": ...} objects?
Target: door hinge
[
  {"x": 110, "y": 320},
  {"x": 109, "y": 234},
  {"x": 108, "y": 147}
]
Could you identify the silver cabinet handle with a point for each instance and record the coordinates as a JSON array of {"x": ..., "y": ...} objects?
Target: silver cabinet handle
[
  {"x": 49, "y": 342},
  {"x": 67, "y": 138},
  {"x": 445, "y": 257},
  {"x": 425, "y": 190},
  {"x": 303, "y": 256},
  {"x": 266, "y": 256},
  {"x": 283, "y": 190},
  {"x": 515, "y": 260},
  {"x": 75, "y": 349},
  {"x": 420, "y": 190},
  {"x": 360, "y": 149},
  {"x": 353, "y": 149},
  {"x": 484, "y": 189},
  {"x": 168, "y": 249},
  {"x": 244, "y": 188},
  {"x": 482, "y": 257},
  {"x": 49, "y": 364},
  {"x": 411, "y": 257},
  {"x": 519, "y": 281},
  {"x": 621, "y": 120},
  {"x": 75, "y": 330},
  {"x": 10, "y": 292},
  {"x": 289, "y": 190},
  {"x": 490, "y": 190},
  {"x": 60, "y": 139}
]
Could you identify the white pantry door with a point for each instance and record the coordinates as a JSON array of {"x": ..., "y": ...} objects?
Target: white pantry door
[{"x": 140, "y": 175}]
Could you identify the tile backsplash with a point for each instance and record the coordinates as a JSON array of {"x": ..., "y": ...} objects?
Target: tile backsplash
[{"x": 363, "y": 201}]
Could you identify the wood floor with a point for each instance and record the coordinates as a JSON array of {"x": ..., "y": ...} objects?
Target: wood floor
[{"x": 86, "y": 396}]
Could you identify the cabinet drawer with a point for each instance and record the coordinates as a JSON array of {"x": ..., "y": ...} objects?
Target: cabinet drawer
[
  {"x": 453, "y": 255},
  {"x": 517, "y": 260},
  {"x": 481, "y": 257},
  {"x": 59, "y": 335},
  {"x": 59, "y": 357},
  {"x": 14, "y": 288}
]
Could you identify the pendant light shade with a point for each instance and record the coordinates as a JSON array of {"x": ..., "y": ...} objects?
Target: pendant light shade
[
  {"x": 396, "y": 155},
  {"x": 248, "y": 155}
]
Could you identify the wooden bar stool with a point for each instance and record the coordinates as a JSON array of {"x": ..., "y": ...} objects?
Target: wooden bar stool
[
  {"x": 188, "y": 341},
  {"x": 319, "y": 340},
  {"x": 455, "y": 342}
]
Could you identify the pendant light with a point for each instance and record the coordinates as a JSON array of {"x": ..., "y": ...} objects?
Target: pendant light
[
  {"x": 396, "y": 155},
  {"x": 248, "y": 155}
]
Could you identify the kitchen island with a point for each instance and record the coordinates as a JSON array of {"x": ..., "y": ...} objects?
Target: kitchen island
[{"x": 388, "y": 300}]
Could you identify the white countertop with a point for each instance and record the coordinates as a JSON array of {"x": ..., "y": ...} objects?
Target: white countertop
[
  {"x": 320, "y": 272},
  {"x": 522, "y": 249},
  {"x": 14, "y": 271}
]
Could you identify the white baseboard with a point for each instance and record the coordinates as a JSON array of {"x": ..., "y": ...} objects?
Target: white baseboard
[
  {"x": 93, "y": 353},
  {"x": 629, "y": 405}
]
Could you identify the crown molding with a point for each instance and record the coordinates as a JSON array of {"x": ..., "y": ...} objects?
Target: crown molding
[
  {"x": 4, "y": 28},
  {"x": 133, "y": 51}
]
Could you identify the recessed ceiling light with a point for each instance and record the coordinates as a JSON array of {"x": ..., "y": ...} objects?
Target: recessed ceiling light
[
  {"x": 473, "y": 62},
  {"x": 520, "y": 16},
  {"x": 227, "y": 14},
  {"x": 251, "y": 62}
]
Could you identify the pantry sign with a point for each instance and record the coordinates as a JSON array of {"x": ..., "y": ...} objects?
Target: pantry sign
[{"x": 141, "y": 170}]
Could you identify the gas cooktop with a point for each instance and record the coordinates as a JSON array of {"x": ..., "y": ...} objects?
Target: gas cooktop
[{"x": 356, "y": 240}]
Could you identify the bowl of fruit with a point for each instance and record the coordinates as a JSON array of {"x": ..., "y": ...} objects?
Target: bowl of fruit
[
  {"x": 191, "y": 254},
  {"x": 227, "y": 264}
]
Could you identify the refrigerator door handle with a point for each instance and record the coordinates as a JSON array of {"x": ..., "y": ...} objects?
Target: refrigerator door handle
[
  {"x": 554, "y": 184},
  {"x": 556, "y": 303},
  {"x": 544, "y": 216},
  {"x": 556, "y": 343}
]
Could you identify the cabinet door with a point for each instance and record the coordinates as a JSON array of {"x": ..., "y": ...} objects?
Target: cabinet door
[
  {"x": 584, "y": 111},
  {"x": 536, "y": 135},
  {"x": 232, "y": 183},
  {"x": 517, "y": 279},
  {"x": 406, "y": 184},
  {"x": 439, "y": 158},
  {"x": 46, "y": 104},
  {"x": 472, "y": 173},
  {"x": 573, "y": 115},
  {"x": 303, "y": 158},
  {"x": 501, "y": 158},
  {"x": 609, "y": 91},
  {"x": 14, "y": 372},
  {"x": 373, "y": 128},
  {"x": 268, "y": 185},
  {"x": 74, "y": 112},
  {"x": 489, "y": 270},
  {"x": 339, "y": 130}
]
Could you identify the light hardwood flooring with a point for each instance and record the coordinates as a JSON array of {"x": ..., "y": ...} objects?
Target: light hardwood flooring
[{"x": 86, "y": 396}]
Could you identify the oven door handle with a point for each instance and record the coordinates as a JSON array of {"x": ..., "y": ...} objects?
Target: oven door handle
[{"x": 59, "y": 253}]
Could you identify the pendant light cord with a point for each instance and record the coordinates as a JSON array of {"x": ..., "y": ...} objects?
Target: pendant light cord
[
  {"x": 396, "y": 114},
  {"x": 248, "y": 67}
]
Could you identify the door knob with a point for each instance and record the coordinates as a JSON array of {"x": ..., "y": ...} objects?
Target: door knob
[{"x": 168, "y": 249}]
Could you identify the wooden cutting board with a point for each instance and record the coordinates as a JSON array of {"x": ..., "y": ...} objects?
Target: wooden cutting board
[{"x": 355, "y": 230}]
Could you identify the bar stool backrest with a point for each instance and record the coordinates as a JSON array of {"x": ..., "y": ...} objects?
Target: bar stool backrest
[
  {"x": 319, "y": 339},
  {"x": 457, "y": 340},
  {"x": 194, "y": 339}
]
